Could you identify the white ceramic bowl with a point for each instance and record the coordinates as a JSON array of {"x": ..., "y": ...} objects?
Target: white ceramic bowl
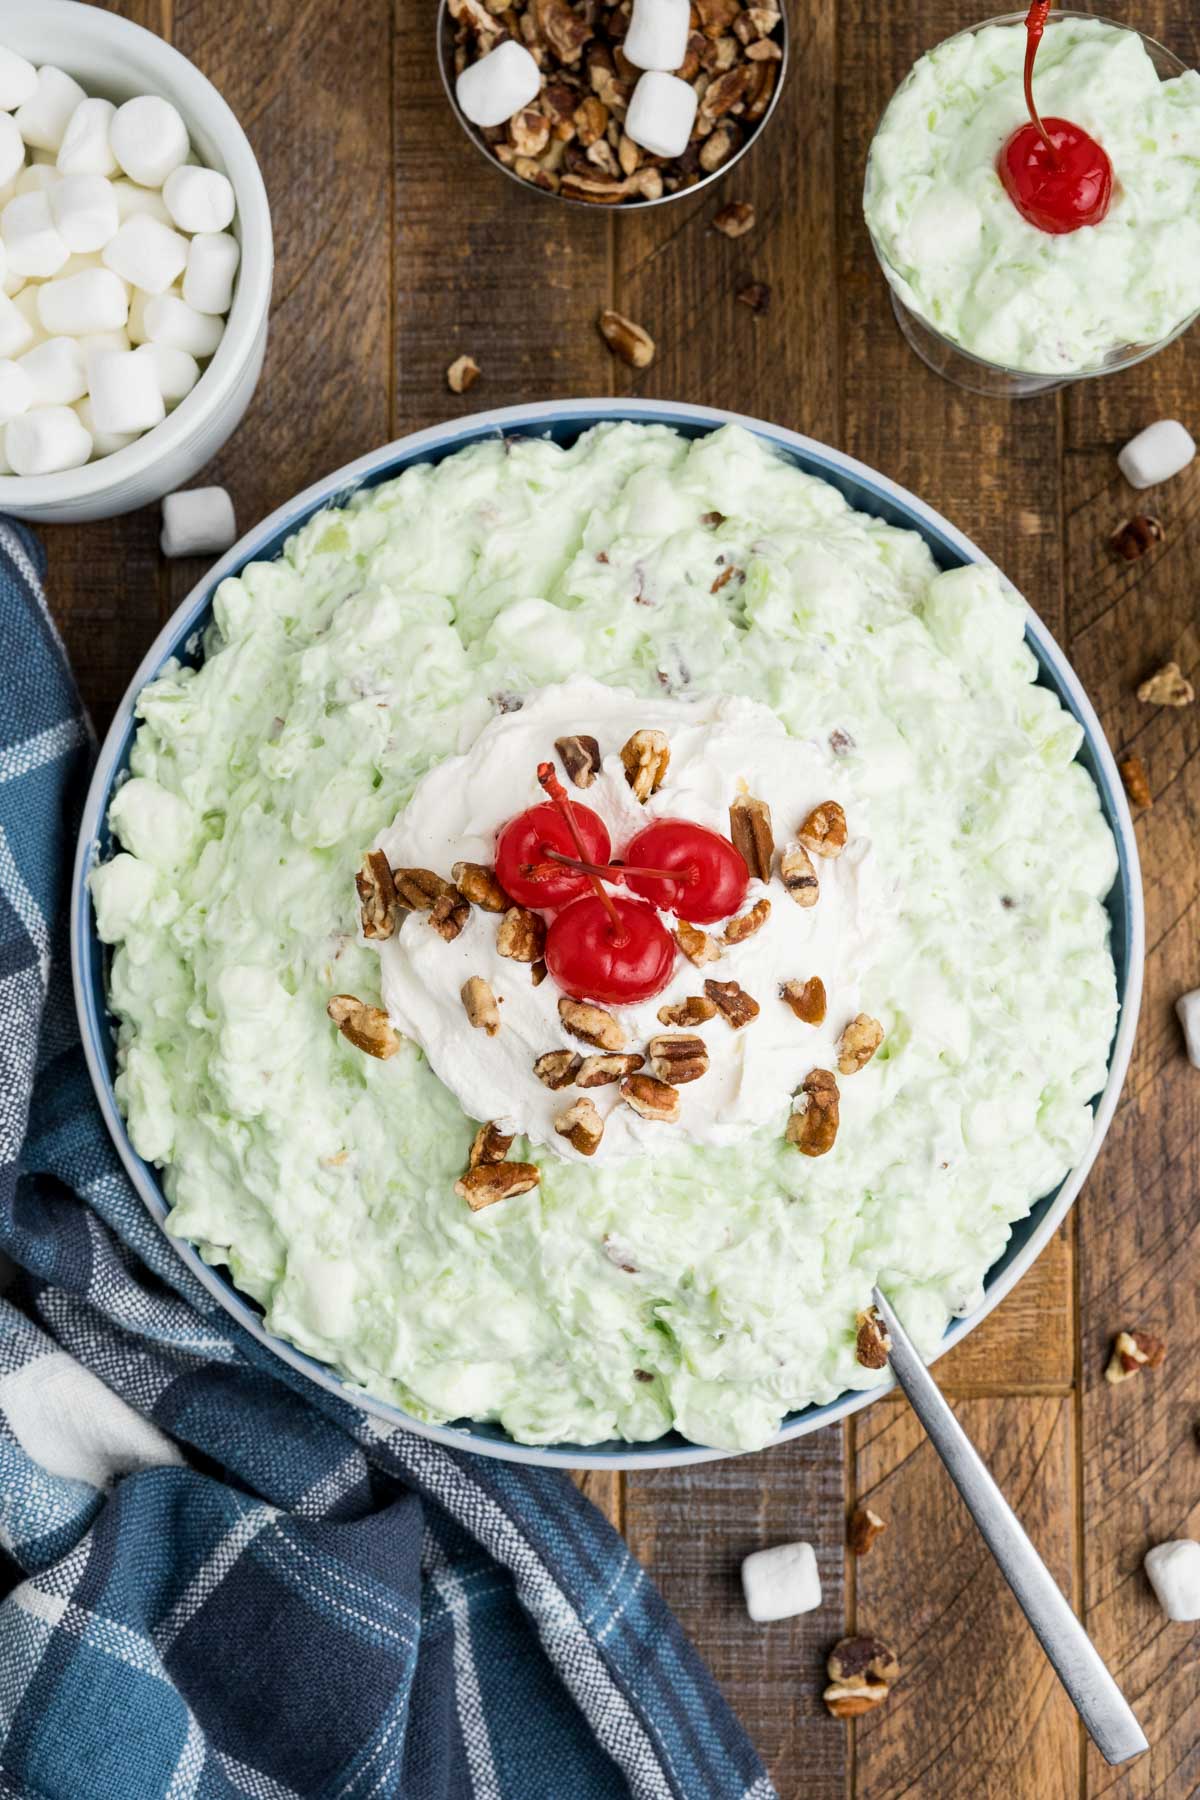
[
  {"x": 563, "y": 420},
  {"x": 113, "y": 58}
]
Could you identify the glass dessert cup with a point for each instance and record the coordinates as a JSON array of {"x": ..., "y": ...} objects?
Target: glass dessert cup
[{"x": 948, "y": 358}]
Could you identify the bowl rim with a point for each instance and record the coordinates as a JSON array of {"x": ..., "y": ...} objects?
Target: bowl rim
[
  {"x": 442, "y": 40},
  {"x": 336, "y": 489},
  {"x": 205, "y": 107}
]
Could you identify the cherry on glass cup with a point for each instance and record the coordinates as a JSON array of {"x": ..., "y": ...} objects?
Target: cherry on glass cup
[{"x": 987, "y": 298}]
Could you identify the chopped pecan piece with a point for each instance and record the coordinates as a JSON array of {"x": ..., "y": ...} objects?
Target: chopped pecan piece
[
  {"x": 480, "y": 1005},
  {"x": 529, "y": 131},
  {"x": 449, "y": 914},
  {"x": 858, "y": 1043},
  {"x": 865, "y": 1526},
  {"x": 806, "y": 999},
  {"x": 495, "y": 1181},
  {"x": 696, "y": 945},
  {"x": 538, "y": 971},
  {"x": 417, "y": 890},
  {"x": 677, "y": 1059},
  {"x": 580, "y": 757},
  {"x": 563, "y": 29},
  {"x": 732, "y": 1002},
  {"x": 726, "y": 576},
  {"x": 1136, "y": 536},
  {"x": 490, "y": 1145},
  {"x": 747, "y": 923},
  {"x": 651, "y": 1098},
  {"x": 798, "y": 875},
  {"x": 1137, "y": 782},
  {"x": 716, "y": 16},
  {"x": 631, "y": 342},
  {"x": 765, "y": 50},
  {"x": 813, "y": 1125},
  {"x": 462, "y": 374},
  {"x": 756, "y": 295},
  {"x": 722, "y": 95},
  {"x": 750, "y": 829},
  {"x": 850, "y": 1699},
  {"x": 377, "y": 899},
  {"x": 606, "y": 1067},
  {"x": 720, "y": 146},
  {"x": 366, "y": 1027},
  {"x": 1134, "y": 1350},
  {"x": 582, "y": 1127},
  {"x": 823, "y": 833},
  {"x": 861, "y": 1672},
  {"x": 736, "y": 219},
  {"x": 872, "y": 1341},
  {"x": 645, "y": 757},
  {"x": 697, "y": 1009},
  {"x": 558, "y": 1068},
  {"x": 521, "y": 935},
  {"x": 477, "y": 883},
  {"x": 592, "y": 1024},
  {"x": 1168, "y": 687}
]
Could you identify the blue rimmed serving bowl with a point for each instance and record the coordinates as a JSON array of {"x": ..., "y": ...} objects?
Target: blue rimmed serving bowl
[{"x": 564, "y": 421}]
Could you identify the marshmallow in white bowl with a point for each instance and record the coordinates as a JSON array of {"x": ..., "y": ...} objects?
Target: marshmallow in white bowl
[
  {"x": 133, "y": 199},
  {"x": 104, "y": 443},
  {"x": 58, "y": 373},
  {"x": 781, "y": 1582},
  {"x": 146, "y": 254},
  {"x": 12, "y": 149},
  {"x": 658, "y": 34},
  {"x": 86, "y": 148},
  {"x": 197, "y": 522},
  {"x": 18, "y": 80},
  {"x": 168, "y": 319},
  {"x": 498, "y": 85},
  {"x": 76, "y": 305},
  {"x": 32, "y": 240},
  {"x": 661, "y": 113},
  {"x": 199, "y": 199},
  {"x": 45, "y": 441},
  {"x": 16, "y": 333},
  {"x": 175, "y": 371},
  {"x": 1187, "y": 1009},
  {"x": 84, "y": 211},
  {"x": 16, "y": 390},
  {"x": 1155, "y": 454},
  {"x": 149, "y": 139},
  {"x": 124, "y": 392},
  {"x": 42, "y": 120},
  {"x": 1173, "y": 1570},
  {"x": 211, "y": 267}
]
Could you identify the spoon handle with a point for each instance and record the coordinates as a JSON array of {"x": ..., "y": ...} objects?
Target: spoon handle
[{"x": 1096, "y": 1696}]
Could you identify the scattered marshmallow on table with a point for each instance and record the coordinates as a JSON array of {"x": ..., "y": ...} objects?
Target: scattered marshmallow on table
[
  {"x": 86, "y": 148},
  {"x": 84, "y": 211},
  {"x": 124, "y": 392},
  {"x": 197, "y": 522},
  {"x": 780, "y": 1582},
  {"x": 46, "y": 440},
  {"x": 198, "y": 199},
  {"x": 498, "y": 85},
  {"x": 1174, "y": 1574},
  {"x": 661, "y": 113},
  {"x": 146, "y": 254},
  {"x": 1187, "y": 1008},
  {"x": 658, "y": 34},
  {"x": 212, "y": 263},
  {"x": 42, "y": 120},
  {"x": 1157, "y": 453},
  {"x": 18, "y": 80}
]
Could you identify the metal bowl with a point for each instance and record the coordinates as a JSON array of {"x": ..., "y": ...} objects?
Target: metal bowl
[{"x": 445, "y": 56}]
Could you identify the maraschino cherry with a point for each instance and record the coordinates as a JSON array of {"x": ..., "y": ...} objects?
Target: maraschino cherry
[
  {"x": 1055, "y": 174},
  {"x": 532, "y": 837},
  {"x": 686, "y": 869}
]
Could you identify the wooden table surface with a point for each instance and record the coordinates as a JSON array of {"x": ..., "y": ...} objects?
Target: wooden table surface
[{"x": 397, "y": 249}]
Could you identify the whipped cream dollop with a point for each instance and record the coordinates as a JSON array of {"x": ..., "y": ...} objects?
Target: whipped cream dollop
[{"x": 720, "y": 746}]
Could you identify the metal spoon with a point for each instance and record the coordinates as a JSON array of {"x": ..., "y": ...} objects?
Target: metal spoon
[{"x": 1074, "y": 1658}]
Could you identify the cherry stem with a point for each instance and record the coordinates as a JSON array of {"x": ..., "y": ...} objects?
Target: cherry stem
[
  {"x": 1035, "y": 24},
  {"x": 689, "y": 875},
  {"x": 557, "y": 794}
]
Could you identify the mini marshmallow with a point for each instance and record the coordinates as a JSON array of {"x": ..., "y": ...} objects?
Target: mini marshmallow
[
  {"x": 136, "y": 325},
  {"x": 498, "y": 85},
  {"x": 12, "y": 149},
  {"x": 211, "y": 266},
  {"x": 38, "y": 178},
  {"x": 57, "y": 371},
  {"x": 781, "y": 1582},
  {"x": 84, "y": 210},
  {"x": 104, "y": 443},
  {"x": 31, "y": 237},
  {"x": 18, "y": 80},
  {"x": 77, "y": 304},
  {"x": 42, "y": 120},
  {"x": 149, "y": 139},
  {"x": 16, "y": 334},
  {"x": 199, "y": 199},
  {"x": 1174, "y": 1573},
  {"x": 170, "y": 320},
  {"x": 1187, "y": 1008},
  {"x": 16, "y": 390},
  {"x": 86, "y": 148},
  {"x": 45, "y": 440},
  {"x": 125, "y": 393},
  {"x": 26, "y": 303},
  {"x": 197, "y": 522},
  {"x": 100, "y": 343},
  {"x": 132, "y": 199},
  {"x": 658, "y": 34},
  {"x": 1156, "y": 454},
  {"x": 661, "y": 113},
  {"x": 148, "y": 255},
  {"x": 175, "y": 371}
]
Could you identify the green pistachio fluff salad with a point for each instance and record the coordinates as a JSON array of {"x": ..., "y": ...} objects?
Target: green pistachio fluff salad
[
  {"x": 707, "y": 1286},
  {"x": 958, "y": 252}
]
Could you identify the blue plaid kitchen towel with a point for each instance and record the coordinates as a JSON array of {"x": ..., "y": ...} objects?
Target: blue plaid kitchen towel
[{"x": 219, "y": 1581}]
